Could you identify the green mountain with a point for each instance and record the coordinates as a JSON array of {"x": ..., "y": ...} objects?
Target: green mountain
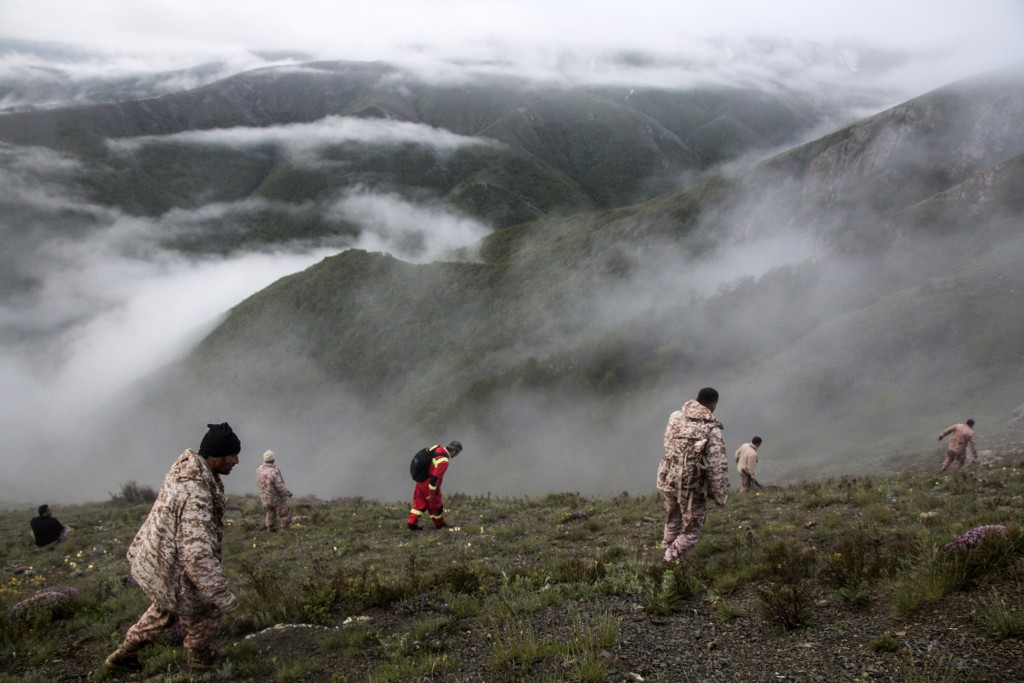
[
  {"x": 849, "y": 297},
  {"x": 539, "y": 150}
]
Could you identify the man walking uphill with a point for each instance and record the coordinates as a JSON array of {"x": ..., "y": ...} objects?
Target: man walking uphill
[
  {"x": 694, "y": 469},
  {"x": 426, "y": 497},
  {"x": 274, "y": 494},
  {"x": 963, "y": 436},
  {"x": 175, "y": 557}
]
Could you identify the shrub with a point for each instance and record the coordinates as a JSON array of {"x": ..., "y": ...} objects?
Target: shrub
[
  {"x": 133, "y": 493},
  {"x": 665, "y": 590},
  {"x": 785, "y": 596},
  {"x": 979, "y": 553},
  {"x": 579, "y": 570},
  {"x": 854, "y": 562}
]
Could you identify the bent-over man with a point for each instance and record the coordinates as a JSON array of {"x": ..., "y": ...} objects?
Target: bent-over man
[
  {"x": 426, "y": 496},
  {"x": 963, "y": 436},
  {"x": 175, "y": 557}
]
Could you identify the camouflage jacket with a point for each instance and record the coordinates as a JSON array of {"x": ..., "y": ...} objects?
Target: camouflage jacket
[
  {"x": 175, "y": 557},
  {"x": 273, "y": 492},
  {"x": 963, "y": 436},
  {"x": 695, "y": 457}
]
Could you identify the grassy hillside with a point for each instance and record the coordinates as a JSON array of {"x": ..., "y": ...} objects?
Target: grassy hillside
[{"x": 834, "y": 579}]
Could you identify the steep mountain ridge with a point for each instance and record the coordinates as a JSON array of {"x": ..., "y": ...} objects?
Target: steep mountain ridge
[
  {"x": 593, "y": 147},
  {"x": 582, "y": 333}
]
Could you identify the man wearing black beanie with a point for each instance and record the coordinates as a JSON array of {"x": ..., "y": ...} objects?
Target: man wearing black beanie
[{"x": 175, "y": 557}]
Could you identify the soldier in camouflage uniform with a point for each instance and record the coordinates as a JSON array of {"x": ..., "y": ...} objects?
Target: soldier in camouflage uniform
[
  {"x": 175, "y": 557},
  {"x": 273, "y": 493},
  {"x": 694, "y": 469},
  {"x": 963, "y": 436}
]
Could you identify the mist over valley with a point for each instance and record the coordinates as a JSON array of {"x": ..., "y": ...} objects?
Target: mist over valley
[{"x": 348, "y": 259}]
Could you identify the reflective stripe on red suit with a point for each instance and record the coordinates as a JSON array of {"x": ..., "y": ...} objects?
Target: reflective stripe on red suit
[{"x": 426, "y": 497}]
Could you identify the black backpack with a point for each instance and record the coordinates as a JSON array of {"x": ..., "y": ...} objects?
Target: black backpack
[{"x": 419, "y": 468}]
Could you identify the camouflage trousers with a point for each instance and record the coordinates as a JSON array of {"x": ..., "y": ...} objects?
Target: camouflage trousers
[
  {"x": 954, "y": 457},
  {"x": 277, "y": 513},
  {"x": 745, "y": 481},
  {"x": 200, "y": 629},
  {"x": 684, "y": 518}
]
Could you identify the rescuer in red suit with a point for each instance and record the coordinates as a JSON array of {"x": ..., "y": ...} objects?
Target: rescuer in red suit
[{"x": 426, "y": 497}]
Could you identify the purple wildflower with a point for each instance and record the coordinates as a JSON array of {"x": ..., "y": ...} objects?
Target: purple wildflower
[{"x": 971, "y": 538}]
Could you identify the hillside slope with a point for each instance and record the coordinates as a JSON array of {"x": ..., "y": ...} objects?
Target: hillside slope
[
  {"x": 866, "y": 330},
  {"x": 838, "y": 580}
]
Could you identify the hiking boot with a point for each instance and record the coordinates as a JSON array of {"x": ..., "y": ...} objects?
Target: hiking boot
[
  {"x": 121, "y": 661},
  {"x": 202, "y": 658},
  {"x": 443, "y": 525},
  {"x": 414, "y": 527}
]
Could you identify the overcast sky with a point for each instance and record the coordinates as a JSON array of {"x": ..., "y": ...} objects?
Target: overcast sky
[{"x": 567, "y": 37}]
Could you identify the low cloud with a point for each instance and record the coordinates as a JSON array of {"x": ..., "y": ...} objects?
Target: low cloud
[
  {"x": 410, "y": 231},
  {"x": 305, "y": 141}
]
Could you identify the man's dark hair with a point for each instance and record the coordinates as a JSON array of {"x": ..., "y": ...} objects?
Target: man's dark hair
[
  {"x": 707, "y": 397},
  {"x": 756, "y": 441},
  {"x": 43, "y": 508},
  {"x": 970, "y": 423}
]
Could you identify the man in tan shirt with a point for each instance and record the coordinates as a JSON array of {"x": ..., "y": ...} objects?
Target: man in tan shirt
[{"x": 746, "y": 463}]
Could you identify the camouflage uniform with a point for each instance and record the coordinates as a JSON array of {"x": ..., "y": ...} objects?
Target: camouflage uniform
[
  {"x": 274, "y": 495},
  {"x": 746, "y": 465},
  {"x": 695, "y": 468},
  {"x": 963, "y": 436},
  {"x": 175, "y": 558}
]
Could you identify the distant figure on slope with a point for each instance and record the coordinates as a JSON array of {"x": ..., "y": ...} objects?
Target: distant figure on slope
[
  {"x": 273, "y": 493},
  {"x": 694, "y": 469},
  {"x": 47, "y": 529},
  {"x": 963, "y": 436},
  {"x": 746, "y": 463},
  {"x": 426, "y": 496},
  {"x": 175, "y": 557}
]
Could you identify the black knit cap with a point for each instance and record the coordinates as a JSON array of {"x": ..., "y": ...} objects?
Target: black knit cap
[{"x": 220, "y": 441}]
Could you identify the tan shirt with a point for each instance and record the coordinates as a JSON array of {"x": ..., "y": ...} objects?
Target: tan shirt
[{"x": 746, "y": 459}]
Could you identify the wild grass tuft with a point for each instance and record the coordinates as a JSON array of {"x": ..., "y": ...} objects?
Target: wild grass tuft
[{"x": 1002, "y": 617}]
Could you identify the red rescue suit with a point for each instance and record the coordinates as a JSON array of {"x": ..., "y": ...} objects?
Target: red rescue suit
[{"x": 426, "y": 497}]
